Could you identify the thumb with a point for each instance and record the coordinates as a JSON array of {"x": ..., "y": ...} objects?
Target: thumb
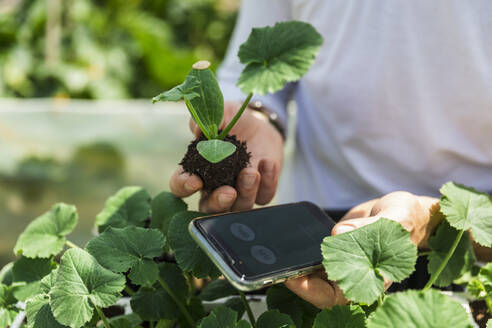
[
  {"x": 195, "y": 129},
  {"x": 352, "y": 224}
]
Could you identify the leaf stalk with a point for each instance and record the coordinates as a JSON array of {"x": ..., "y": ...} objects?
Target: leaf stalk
[
  {"x": 129, "y": 291},
  {"x": 195, "y": 116},
  {"x": 102, "y": 316},
  {"x": 181, "y": 306},
  {"x": 236, "y": 117},
  {"x": 444, "y": 262},
  {"x": 70, "y": 244},
  {"x": 248, "y": 309}
]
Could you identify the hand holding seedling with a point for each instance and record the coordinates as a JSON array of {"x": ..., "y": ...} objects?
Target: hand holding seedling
[
  {"x": 256, "y": 183},
  {"x": 272, "y": 56}
]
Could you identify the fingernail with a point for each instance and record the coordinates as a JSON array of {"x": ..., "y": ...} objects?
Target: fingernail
[
  {"x": 248, "y": 181},
  {"x": 225, "y": 200},
  {"x": 343, "y": 229}
]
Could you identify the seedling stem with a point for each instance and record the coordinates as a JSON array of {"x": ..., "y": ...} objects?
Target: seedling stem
[
  {"x": 102, "y": 316},
  {"x": 224, "y": 132},
  {"x": 248, "y": 309},
  {"x": 178, "y": 303}
]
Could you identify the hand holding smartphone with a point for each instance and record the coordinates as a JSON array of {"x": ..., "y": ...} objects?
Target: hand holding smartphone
[{"x": 264, "y": 246}]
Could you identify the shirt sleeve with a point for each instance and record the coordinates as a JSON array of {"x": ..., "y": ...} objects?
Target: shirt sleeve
[{"x": 254, "y": 13}]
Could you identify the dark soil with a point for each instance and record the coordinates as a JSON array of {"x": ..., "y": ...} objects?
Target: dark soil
[
  {"x": 218, "y": 174},
  {"x": 480, "y": 313}
]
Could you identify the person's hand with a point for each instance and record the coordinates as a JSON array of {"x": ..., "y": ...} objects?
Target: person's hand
[
  {"x": 256, "y": 183},
  {"x": 417, "y": 214}
]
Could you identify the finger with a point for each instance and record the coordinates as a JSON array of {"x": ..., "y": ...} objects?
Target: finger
[
  {"x": 194, "y": 128},
  {"x": 317, "y": 291},
  {"x": 269, "y": 172},
  {"x": 220, "y": 200},
  {"x": 360, "y": 211},
  {"x": 183, "y": 184},
  {"x": 247, "y": 187},
  {"x": 352, "y": 224}
]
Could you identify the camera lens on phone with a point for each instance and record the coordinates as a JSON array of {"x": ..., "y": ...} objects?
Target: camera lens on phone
[
  {"x": 242, "y": 232},
  {"x": 263, "y": 254}
]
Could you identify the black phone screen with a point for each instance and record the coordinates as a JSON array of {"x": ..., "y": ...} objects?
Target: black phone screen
[{"x": 264, "y": 241}]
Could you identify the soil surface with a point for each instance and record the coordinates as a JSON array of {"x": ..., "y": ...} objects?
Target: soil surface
[
  {"x": 480, "y": 313},
  {"x": 218, "y": 174}
]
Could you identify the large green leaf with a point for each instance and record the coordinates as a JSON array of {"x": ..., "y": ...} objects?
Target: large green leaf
[
  {"x": 347, "y": 316},
  {"x": 189, "y": 255},
  {"x": 80, "y": 284},
  {"x": 45, "y": 236},
  {"x": 217, "y": 289},
  {"x": 468, "y": 209},
  {"x": 164, "y": 206},
  {"x": 195, "y": 309},
  {"x": 359, "y": 260},
  {"x": 281, "y": 298},
  {"x": 462, "y": 259},
  {"x": 131, "y": 320},
  {"x": 215, "y": 150},
  {"x": 155, "y": 303},
  {"x": 274, "y": 319},
  {"x": 8, "y": 310},
  {"x": 39, "y": 314},
  {"x": 130, "y": 206},
  {"x": 131, "y": 248},
  {"x": 28, "y": 273},
  {"x": 223, "y": 317},
  {"x": 276, "y": 55},
  {"x": 481, "y": 286},
  {"x": 414, "y": 309}
]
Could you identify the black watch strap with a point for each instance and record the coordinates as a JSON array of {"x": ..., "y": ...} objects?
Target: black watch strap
[{"x": 273, "y": 117}]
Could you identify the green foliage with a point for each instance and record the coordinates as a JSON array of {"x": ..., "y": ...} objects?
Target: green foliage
[
  {"x": 81, "y": 284},
  {"x": 6, "y": 275},
  {"x": 274, "y": 319},
  {"x": 481, "y": 286},
  {"x": 281, "y": 298},
  {"x": 215, "y": 150},
  {"x": 130, "y": 206},
  {"x": 27, "y": 273},
  {"x": 8, "y": 310},
  {"x": 124, "y": 321},
  {"x": 130, "y": 248},
  {"x": 462, "y": 259},
  {"x": 468, "y": 209},
  {"x": 419, "y": 309},
  {"x": 347, "y": 316},
  {"x": 359, "y": 260},
  {"x": 223, "y": 317},
  {"x": 45, "y": 236},
  {"x": 217, "y": 289},
  {"x": 39, "y": 315},
  {"x": 189, "y": 255},
  {"x": 276, "y": 55}
]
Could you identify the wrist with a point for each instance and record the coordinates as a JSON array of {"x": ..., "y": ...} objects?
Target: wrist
[{"x": 262, "y": 112}]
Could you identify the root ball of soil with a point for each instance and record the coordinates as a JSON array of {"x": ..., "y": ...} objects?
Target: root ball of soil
[{"x": 218, "y": 174}]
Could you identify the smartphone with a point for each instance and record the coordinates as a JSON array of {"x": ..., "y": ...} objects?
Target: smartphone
[{"x": 264, "y": 246}]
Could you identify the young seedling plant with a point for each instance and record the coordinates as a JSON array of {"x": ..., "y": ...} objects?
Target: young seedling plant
[{"x": 272, "y": 57}]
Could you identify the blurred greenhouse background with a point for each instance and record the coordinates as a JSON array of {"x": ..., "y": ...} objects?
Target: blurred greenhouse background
[{"x": 76, "y": 122}]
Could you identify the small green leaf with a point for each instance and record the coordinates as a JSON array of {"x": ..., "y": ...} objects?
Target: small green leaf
[
  {"x": 80, "y": 284},
  {"x": 29, "y": 272},
  {"x": 189, "y": 255},
  {"x": 131, "y": 248},
  {"x": 414, "y": 309},
  {"x": 155, "y": 303},
  {"x": 276, "y": 55},
  {"x": 195, "y": 308},
  {"x": 45, "y": 236},
  {"x": 164, "y": 207},
  {"x": 215, "y": 150},
  {"x": 48, "y": 282},
  {"x": 39, "y": 315},
  {"x": 481, "y": 286},
  {"x": 8, "y": 309},
  {"x": 131, "y": 320},
  {"x": 489, "y": 323},
  {"x": 281, "y": 298},
  {"x": 130, "y": 206},
  {"x": 236, "y": 303},
  {"x": 185, "y": 89},
  {"x": 6, "y": 276},
  {"x": 274, "y": 319},
  {"x": 358, "y": 260},
  {"x": 462, "y": 259},
  {"x": 217, "y": 289},
  {"x": 347, "y": 316},
  {"x": 223, "y": 317},
  {"x": 468, "y": 209}
]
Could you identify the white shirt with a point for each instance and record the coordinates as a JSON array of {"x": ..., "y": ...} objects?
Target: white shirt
[{"x": 399, "y": 97}]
